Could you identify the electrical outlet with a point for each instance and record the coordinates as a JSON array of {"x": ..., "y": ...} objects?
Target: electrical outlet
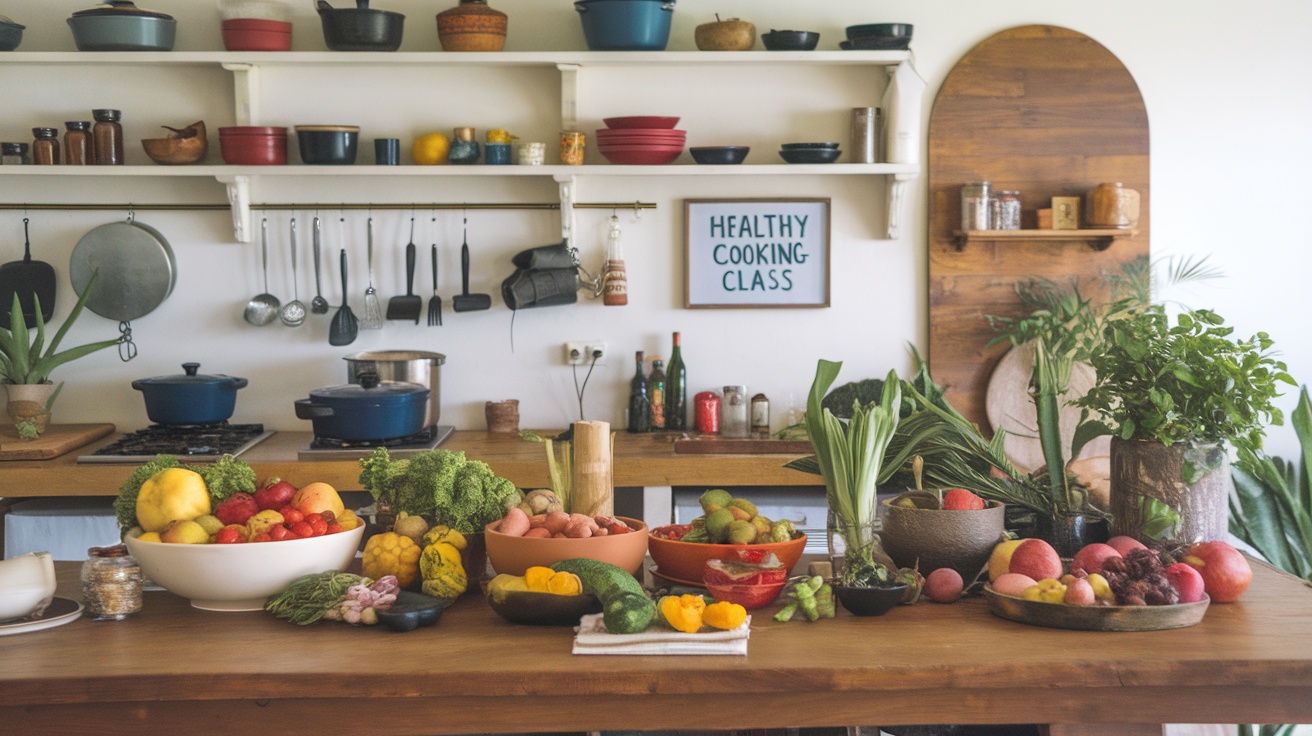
[
  {"x": 582, "y": 353},
  {"x": 574, "y": 353}
]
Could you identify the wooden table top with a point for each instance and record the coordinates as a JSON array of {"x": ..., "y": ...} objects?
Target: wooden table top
[
  {"x": 174, "y": 669},
  {"x": 640, "y": 460}
]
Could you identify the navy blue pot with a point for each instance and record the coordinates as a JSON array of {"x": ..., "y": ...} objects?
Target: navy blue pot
[
  {"x": 626, "y": 25},
  {"x": 368, "y": 410},
  {"x": 189, "y": 398}
]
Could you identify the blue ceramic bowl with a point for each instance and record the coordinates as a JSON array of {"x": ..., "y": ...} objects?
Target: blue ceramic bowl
[
  {"x": 790, "y": 40},
  {"x": 810, "y": 155}
]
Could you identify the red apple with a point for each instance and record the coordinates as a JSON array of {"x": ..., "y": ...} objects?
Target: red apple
[
  {"x": 1226, "y": 574},
  {"x": 944, "y": 585},
  {"x": 1037, "y": 559},
  {"x": 960, "y": 499},
  {"x": 274, "y": 495},
  {"x": 1187, "y": 581},
  {"x": 1124, "y": 544},
  {"x": 1090, "y": 558}
]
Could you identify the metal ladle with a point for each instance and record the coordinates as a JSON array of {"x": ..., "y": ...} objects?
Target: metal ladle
[
  {"x": 293, "y": 314},
  {"x": 263, "y": 308},
  {"x": 318, "y": 304}
]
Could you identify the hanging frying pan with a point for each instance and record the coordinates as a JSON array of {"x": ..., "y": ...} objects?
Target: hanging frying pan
[
  {"x": 137, "y": 272},
  {"x": 28, "y": 279}
]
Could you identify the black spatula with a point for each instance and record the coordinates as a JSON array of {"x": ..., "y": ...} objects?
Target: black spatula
[
  {"x": 27, "y": 278},
  {"x": 464, "y": 301},
  {"x": 410, "y": 306}
]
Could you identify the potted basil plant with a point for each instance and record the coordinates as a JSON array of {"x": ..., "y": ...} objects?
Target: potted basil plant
[
  {"x": 1173, "y": 392},
  {"x": 26, "y": 361}
]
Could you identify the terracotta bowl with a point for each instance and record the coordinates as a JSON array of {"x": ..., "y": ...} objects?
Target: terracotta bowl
[
  {"x": 934, "y": 538},
  {"x": 514, "y": 555},
  {"x": 687, "y": 560}
]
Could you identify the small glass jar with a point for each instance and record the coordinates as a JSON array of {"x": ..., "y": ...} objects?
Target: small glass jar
[
  {"x": 733, "y": 412},
  {"x": 531, "y": 154},
  {"x": 975, "y": 206},
  {"x": 1004, "y": 213},
  {"x": 77, "y": 143},
  {"x": 111, "y": 583},
  {"x": 45, "y": 149},
  {"x": 760, "y": 417},
  {"x": 107, "y": 135},
  {"x": 572, "y": 143},
  {"x": 707, "y": 412},
  {"x": 13, "y": 154}
]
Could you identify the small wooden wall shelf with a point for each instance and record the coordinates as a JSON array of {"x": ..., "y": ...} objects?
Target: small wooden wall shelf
[{"x": 1099, "y": 239}]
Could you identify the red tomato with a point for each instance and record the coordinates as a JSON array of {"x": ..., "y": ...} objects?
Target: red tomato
[
  {"x": 227, "y": 535},
  {"x": 278, "y": 533},
  {"x": 334, "y": 528},
  {"x": 302, "y": 529},
  {"x": 262, "y": 537},
  {"x": 291, "y": 515},
  {"x": 313, "y": 517},
  {"x": 320, "y": 527}
]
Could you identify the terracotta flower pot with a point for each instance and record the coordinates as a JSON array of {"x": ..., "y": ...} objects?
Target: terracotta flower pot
[
  {"x": 1193, "y": 479},
  {"x": 934, "y": 538}
]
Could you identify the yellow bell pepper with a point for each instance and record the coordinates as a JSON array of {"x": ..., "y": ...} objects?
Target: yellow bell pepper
[
  {"x": 536, "y": 578},
  {"x": 683, "y": 612},
  {"x": 724, "y": 615}
]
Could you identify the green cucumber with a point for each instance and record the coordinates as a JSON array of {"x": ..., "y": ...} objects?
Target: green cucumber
[{"x": 625, "y": 607}]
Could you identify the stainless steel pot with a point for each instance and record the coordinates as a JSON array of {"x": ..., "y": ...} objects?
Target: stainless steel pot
[{"x": 409, "y": 366}]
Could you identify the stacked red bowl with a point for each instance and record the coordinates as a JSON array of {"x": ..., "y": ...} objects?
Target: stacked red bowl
[{"x": 642, "y": 139}]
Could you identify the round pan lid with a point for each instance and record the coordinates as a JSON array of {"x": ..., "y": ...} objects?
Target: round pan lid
[
  {"x": 121, "y": 7},
  {"x": 136, "y": 266},
  {"x": 191, "y": 377}
]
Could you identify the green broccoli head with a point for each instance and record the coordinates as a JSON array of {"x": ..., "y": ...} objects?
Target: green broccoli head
[
  {"x": 226, "y": 476},
  {"x": 479, "y": 498},
  {"x": 429, "y": 482}
]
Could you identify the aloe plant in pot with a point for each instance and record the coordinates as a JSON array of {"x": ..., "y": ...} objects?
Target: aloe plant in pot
[{"x": 26, "y": 361}]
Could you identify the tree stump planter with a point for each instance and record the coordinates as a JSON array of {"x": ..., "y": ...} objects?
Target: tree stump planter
[{"x": 1193, "y": 479}]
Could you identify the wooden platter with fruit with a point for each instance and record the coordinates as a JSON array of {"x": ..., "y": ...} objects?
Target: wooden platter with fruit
[{"x": 1095, "y": 618}]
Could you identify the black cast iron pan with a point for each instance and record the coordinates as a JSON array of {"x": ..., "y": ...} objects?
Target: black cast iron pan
[{"x": 27, "y": 278}]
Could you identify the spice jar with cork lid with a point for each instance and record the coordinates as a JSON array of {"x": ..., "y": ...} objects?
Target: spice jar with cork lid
[{"x": 111, "y": 583}]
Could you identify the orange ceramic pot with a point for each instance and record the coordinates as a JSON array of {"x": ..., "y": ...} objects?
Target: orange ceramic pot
[{"x": 471, "y": 26}]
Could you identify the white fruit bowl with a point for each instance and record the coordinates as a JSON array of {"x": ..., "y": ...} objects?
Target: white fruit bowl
[{"x": 241, "y": 577}]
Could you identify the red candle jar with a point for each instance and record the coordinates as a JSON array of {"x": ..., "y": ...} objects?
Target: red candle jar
[{"x": 707, "y": 412}]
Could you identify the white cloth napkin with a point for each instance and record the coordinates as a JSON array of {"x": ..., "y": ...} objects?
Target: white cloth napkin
[{"x": 592, "y": 638}]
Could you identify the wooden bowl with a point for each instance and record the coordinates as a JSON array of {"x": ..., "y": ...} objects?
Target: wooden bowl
[
  {"x": 186, "y": 146},
  {"x": 513, "y": 555},
  {"x": 687, "y": 560},
  {"x": 1095, "y": 618}
]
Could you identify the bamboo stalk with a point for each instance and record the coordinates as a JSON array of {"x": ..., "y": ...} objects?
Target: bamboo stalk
[{"x": 594, "y": 489}]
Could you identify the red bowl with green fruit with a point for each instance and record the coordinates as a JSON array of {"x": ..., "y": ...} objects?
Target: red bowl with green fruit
[{"x": 684, "y": 562}]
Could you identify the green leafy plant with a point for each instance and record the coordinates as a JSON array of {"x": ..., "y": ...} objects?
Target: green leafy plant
[
  {"x": 1187, "y": 381},
  {"x": 25, "y": 357}
]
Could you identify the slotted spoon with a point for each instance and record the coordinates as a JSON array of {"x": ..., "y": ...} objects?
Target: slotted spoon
[{"x": 293, "y": 312}]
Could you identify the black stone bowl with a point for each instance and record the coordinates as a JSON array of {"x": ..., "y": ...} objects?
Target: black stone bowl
[
  {"x": 719, "y": 154},
  {"x": 810, "y": 155},
  {"x": 870, "y": 601},
  {"x": 790, "y": 40},
  {"x": 333, "y": 145}
]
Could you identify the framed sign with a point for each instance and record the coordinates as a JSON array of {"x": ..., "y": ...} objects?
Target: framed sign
[{"x": 756, "y": 253}]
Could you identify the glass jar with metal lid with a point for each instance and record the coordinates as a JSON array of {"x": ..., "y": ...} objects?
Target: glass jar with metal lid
[{"x": 111, "y": 583}]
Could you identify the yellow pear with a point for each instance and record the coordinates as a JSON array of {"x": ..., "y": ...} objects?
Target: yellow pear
[
  {"x": 184, "y": 531},
  {"x": 171, "y": 494}
]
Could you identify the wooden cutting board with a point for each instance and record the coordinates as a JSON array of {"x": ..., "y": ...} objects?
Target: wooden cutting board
[
  {"x": 725, "y": 446},
  {"x": 55, "y": 441}
]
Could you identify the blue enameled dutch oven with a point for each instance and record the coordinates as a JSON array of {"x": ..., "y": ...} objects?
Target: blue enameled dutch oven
[
  {"x": 368, "y": 410},
  {"x": 626, "y": 25},
  {"x": 189, "y": 398}
]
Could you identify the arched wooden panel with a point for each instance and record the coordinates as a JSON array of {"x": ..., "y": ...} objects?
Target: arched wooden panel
[{"x": 1046, "y": 111}]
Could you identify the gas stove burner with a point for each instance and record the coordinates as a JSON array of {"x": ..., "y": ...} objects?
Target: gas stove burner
[
  {"x": 328, "y": 448},
  {"x": 422, "y": 438},
  {"x": 195, "y": 442}
]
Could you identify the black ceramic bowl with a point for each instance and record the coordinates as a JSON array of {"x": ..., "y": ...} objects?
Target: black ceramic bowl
[
  {"x": 877, "y": 43},
  {"x": 331, "y": 145},
  {"x": 870, "y": 601},
  {"x": 719, "y": 154},
  {"x": 806, "y": 146},
  {"x": 11, "y": 34},
  {"x": 790, "y": 40},
  {"x": 810, "y": 155},
  {"x": 879, "y": 30}
]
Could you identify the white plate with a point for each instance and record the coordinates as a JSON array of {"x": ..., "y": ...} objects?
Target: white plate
[{"x": 60, "y": 611}]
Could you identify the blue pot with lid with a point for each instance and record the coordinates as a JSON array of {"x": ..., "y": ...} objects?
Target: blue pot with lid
[
  {"x": 626, "y": 25},
  {"x": 190, "y": 397},
  {"x": 370, "y": 410}
]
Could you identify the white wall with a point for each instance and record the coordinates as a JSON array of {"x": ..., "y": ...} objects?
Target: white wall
[{"x": 1228, "y": 110}]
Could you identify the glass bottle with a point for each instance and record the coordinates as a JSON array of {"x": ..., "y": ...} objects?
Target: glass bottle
[
  {"x": 77, "y": 143},
  {"x": 733, "y": 412},
  {"x": 614, "y": 282},
  {"x": 656, "y": 392},
  {"x": 760, "y": 417},
  {"x": 975, "y": 205},
  {"x": 111, "y": 583},
  {"x": 639, "y": 402},
  {"x": 107, "y": 135},
  {"x": 45, "y": 149},
  {"x": 676, "y": 390}
]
